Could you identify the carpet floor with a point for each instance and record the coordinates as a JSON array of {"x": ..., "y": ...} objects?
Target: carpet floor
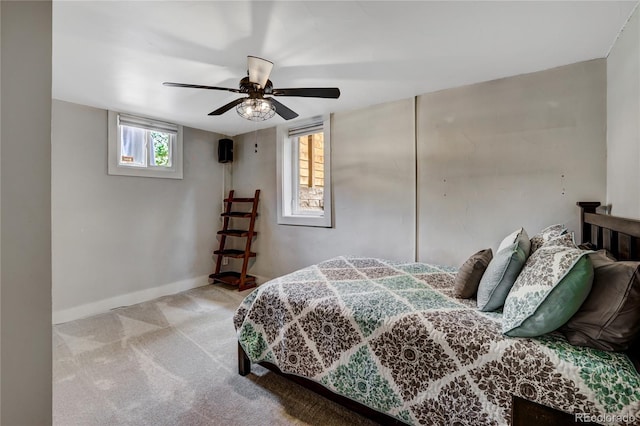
[{"x": 173, "y": 361}]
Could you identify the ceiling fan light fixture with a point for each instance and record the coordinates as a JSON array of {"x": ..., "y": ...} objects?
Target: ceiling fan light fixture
[{"x": 256, "y": 109}]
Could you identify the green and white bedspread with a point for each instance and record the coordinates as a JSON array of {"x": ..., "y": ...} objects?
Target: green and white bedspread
[{"x": 391, "y": 336}]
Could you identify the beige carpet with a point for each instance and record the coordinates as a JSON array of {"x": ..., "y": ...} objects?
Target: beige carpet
[{"x": 172, "y": 361}]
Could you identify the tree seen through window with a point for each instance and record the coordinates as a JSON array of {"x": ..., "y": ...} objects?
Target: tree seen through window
[{"x": 161, "y": 146}]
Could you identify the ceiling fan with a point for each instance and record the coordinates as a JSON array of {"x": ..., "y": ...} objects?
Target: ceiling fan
[{"x": 256, "y": 85}]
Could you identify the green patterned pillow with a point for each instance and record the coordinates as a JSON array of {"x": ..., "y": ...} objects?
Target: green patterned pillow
[
  {"x": 565, "y": 240},
  {"x": 503, "y": 271},
  {"x": 552, "y": 286},
  {"x": 547, "y": 234}
]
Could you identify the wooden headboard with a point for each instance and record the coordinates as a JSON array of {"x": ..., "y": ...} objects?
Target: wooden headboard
[{"x": 619, "y": 235}]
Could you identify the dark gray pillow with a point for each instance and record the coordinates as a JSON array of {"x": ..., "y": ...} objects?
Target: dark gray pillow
[
  {"x": 634, "y": 354},
  {"x": 601, "y": 257},
  {"x": 609, "y": 319},
  {"x": 465, "y": 286}
]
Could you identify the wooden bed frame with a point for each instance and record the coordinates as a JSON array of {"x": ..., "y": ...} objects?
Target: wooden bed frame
[{"x": 621, "y": 236}]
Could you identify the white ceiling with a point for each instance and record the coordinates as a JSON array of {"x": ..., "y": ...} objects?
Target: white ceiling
[{"x": 115, "y": 55}]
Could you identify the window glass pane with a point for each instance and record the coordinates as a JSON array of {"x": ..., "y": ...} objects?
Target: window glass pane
[
  {"x": 132, "y": 148},
  {"x": 311, "y": 173},
  {"x": 161, "y": 149}
]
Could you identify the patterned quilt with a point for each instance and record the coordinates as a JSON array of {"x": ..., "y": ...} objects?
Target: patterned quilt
[{"x": 391, "y": 336}]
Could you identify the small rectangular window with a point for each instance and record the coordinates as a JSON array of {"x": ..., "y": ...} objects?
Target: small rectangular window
[
  {"x": 304, "y": 191},
  {"x": 144, "y": 147}
]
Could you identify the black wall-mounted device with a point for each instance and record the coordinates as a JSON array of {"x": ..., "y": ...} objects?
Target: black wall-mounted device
[{"x": 225, "y": 151}]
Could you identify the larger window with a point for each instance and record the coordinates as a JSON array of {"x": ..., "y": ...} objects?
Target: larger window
[
  {"x": 144, "y": 147},
  {"x": 304, "y": 173}
]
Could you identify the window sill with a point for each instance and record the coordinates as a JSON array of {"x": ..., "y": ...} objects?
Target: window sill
[
  {"x": 306, "y": 220},
  {"x": 144, "y": 172}
]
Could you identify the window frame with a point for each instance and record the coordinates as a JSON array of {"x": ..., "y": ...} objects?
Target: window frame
[
  {"x": 115, "y": 145},
  {"x": 288, "y": 167}
]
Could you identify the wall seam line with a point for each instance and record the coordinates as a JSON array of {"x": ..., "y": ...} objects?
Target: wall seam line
[{"x": 415, "y": 182}]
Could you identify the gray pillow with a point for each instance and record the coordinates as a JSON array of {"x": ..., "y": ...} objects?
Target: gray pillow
[
  {"x": 503, "y": 271},
  {"x": 468, "y": 277}
]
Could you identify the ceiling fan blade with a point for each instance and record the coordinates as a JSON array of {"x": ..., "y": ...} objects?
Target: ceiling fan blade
[
  {"x": 314, "y": 92},
  {"x": 227, "y": 107},
  {"x": 197, "y": 86},
  {"x": 282, "y": 110},
  {"x": 259, "y": 70}
]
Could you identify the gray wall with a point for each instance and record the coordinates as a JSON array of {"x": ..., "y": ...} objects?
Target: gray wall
[
  {"x": 490, "y": 158},
  {"x": 373, "y": 178},
  {"x": 519, "y": 151},
  {"x": 25, "y": 213},
  {"x": 623, "y": 122},
  {"x": 114, "y": 235}
]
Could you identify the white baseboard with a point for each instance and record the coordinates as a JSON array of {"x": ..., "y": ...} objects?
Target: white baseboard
[{"x": 105, "y": 305}]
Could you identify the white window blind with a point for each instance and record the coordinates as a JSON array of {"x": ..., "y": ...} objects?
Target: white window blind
[
  {"x": 306, "y": 130},
  {"x": 147, "y": 123}
]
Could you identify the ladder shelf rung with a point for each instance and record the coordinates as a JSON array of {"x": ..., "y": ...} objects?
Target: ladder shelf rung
[
  {"x": 237, "y": 214},
  {"x": 234, "y": 278},
  {"x": 239, "y": 200},
  {"x": 236, "y": 232},
  {"x": 236, "y": 254}
]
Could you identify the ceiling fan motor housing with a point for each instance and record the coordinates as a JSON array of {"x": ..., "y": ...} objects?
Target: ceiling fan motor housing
[{"x": 246, "y": 86}]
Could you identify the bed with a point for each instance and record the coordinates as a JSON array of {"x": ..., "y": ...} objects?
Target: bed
[{"x": 389, "y": 340}]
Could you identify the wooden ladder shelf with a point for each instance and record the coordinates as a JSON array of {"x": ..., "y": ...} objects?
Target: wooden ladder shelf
[{"x": 240, "y": 279}]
